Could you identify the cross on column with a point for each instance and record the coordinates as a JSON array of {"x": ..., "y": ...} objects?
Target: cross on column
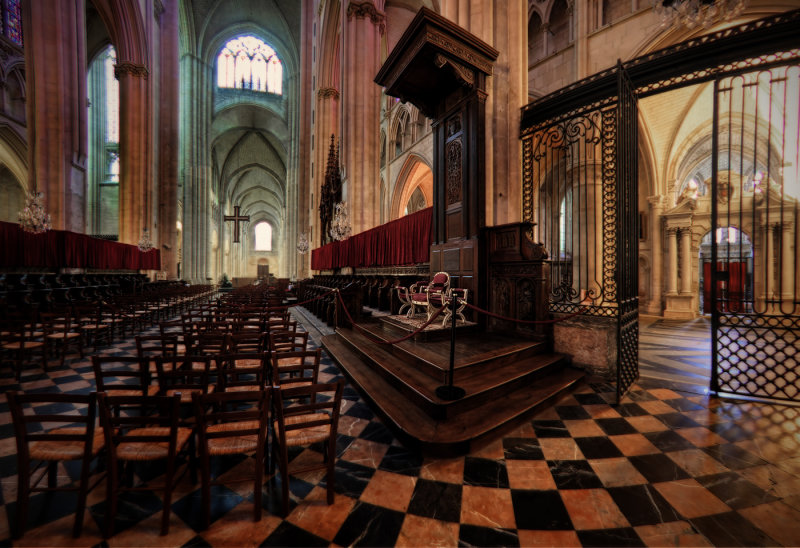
[{"x": 236, "y": 218}]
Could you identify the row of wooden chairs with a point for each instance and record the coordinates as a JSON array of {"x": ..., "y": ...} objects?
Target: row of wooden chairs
[{"x": 142, "y": 428}]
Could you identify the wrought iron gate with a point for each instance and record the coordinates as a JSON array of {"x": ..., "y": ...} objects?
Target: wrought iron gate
[
  {"x": 755, "y": 195},
  {"x": 627, "y": 239},
  {"x": 580, "y": 185}
]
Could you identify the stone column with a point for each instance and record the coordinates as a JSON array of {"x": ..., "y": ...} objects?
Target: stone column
[
  {"x": 656, "y": 254},
  {"x": 135, "y": 185},
  {"x": 787, "y": 262},
  {"x": 672, "y": 260},
  {"x": 168, "y": 140},
  {"x": 686, "y": 260},
  {"x": 770, "y": 287},
  {"x": 55, "y": 52},
  {"x": 363, "y": 29}
]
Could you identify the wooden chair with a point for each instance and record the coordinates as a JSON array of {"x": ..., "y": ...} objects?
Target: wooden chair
[
  {"x": 229, "y": 424},
  {"x": 288, "y": 341},
  {"x": 300, "y": 367},
  {"x": 45, "y": 439},
  {"x": 247, "y": 342},
  {"x": 92, "y": 324},
  {"x": 184, "y": 375},
  {"x": 122, "y": 376},
  {"x": 305, "y": 415},
  {"x": 140, "y": 429},
  {"x": 239, "y": 371},
  {"x": 18, "y": 337},
  {"x": 59, "y": 330},
  {"x": 149, "y": 347}
]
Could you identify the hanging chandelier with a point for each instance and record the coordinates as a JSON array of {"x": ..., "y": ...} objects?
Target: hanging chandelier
[
  {"x": 302, "y": 244},
  {"x": 33, "y": 217},
  {"x": 696, "y": 13},
  {"x": 145, "y": 243},
  {"x": 340, "y": 224}
]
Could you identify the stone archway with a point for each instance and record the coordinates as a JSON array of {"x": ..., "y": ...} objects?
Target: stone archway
[{"x": 414, "y": 175}]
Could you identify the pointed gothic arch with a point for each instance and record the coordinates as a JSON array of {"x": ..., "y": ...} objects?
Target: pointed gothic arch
[{"x": 415, "y": 174}]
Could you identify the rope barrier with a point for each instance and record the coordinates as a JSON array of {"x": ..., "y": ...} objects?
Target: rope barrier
[{"x": 367, "y": 334}]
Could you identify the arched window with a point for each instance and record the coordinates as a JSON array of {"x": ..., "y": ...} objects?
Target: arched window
[
  {"x": 247, "y": 62},
  {"x": 535, "y": 38},
  {"x": 559, "y": 27},
  {"x": 263, "y": 236},
  {"x": 104, "y": 157}
]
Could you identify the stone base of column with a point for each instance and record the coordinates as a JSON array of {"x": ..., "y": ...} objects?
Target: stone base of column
[{"x": 680, "y": 307}]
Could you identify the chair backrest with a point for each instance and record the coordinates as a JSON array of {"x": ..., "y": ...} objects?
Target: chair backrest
[
  {"x": 288, "y": 341},
  {"x": 301, "y": 407},
  {"x": 148, "y": 346},
  {"x": 247, "y": 342},
  {"x": 238, "y": 371},
  {"x": 295, "y": 368},
  {"x": 440, "y": 282},
  {"x": 65, "y": 431},
  {"x": 145, "y": 421},
  {"x": 185, "y": 374},
  {"x": 116, "y": 374},
  {"x": 217, "y": 416}
]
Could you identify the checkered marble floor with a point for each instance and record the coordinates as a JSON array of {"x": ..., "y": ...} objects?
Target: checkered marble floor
[{"x": 664, "y": 468}]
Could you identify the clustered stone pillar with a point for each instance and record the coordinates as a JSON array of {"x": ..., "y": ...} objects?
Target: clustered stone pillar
[
  {"x": 135, "y": 205},
  {"x": 55, "y": 50},
  {"x": 361, "y": 112},
  {"x": 656, "y": 210},
  {"x": 672, "y": 260}
]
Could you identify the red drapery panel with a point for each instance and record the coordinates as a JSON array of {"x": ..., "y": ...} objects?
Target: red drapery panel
[
  {"x": 64, "y": 249},
  {"x": 406, "y": 240}
]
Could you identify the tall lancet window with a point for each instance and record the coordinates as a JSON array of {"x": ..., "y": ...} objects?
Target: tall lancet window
[
  {"x": 263, "y": 232},
  {"x": 11, "y": 20},
  {"x": 247, "y": 62},
  {"x": 104, "y": 159}
]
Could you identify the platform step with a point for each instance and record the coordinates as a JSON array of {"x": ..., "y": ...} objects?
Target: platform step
[{"x": 409, "y": 403}]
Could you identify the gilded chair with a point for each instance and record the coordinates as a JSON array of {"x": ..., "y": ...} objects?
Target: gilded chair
[{"x": 432, "y": 296}]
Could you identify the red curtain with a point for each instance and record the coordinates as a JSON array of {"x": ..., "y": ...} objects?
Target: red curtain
[
  {"x": 64, "y": 249},
  {"x": 406, "y": 240}
]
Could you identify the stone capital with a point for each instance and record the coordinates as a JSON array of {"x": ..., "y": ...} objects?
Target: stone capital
[
  {"x": 657, "y": 202},
  {"x": 366, "y": 9},
  {"x": 128, "y": 67}
]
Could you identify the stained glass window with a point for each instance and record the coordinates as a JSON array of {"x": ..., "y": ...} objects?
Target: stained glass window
[
  {"x": 247, "y": 62},
  {"x": 12, "y": 20}
]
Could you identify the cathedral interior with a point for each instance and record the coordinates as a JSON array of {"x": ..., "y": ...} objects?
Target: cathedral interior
[{"x": 624, "y": 175}]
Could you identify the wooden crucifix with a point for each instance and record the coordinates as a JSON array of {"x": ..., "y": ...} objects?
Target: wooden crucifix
[{"x": 236, "y": 218}]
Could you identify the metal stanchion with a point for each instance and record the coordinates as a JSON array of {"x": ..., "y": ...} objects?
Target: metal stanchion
[{"x": 448, "y": 391}]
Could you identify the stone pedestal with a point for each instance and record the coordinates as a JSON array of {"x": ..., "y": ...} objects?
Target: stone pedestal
[
  {"x": 680, "y": 307},
  {"x": 591, "y": 343}
]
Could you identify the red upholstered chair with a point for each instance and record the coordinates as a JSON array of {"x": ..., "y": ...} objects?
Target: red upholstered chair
[{"x": 432, "y": 296}]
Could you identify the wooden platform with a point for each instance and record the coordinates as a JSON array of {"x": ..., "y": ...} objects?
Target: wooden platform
[{"x": 504, "y": 379}]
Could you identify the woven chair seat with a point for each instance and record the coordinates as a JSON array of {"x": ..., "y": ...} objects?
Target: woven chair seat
[
  {"x": 308, "y": 435},
  {"x": 63, "y": 335},
  {"x": 139, "y": 451},
  {"x": 237, "y": 444},
  {"x": 15, "y": 345},
  {"x": 65, "y": 450},
  {"x": 288, "y": 362},
  {"x": 243, "y": 388},
  {"x": 248, "y": 362},
  {"x": 186, "y": 393},
  {"x": 152, "y": 390}
]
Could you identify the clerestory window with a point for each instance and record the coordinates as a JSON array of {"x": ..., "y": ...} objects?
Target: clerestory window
[{"x": 247, "y": 62}]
